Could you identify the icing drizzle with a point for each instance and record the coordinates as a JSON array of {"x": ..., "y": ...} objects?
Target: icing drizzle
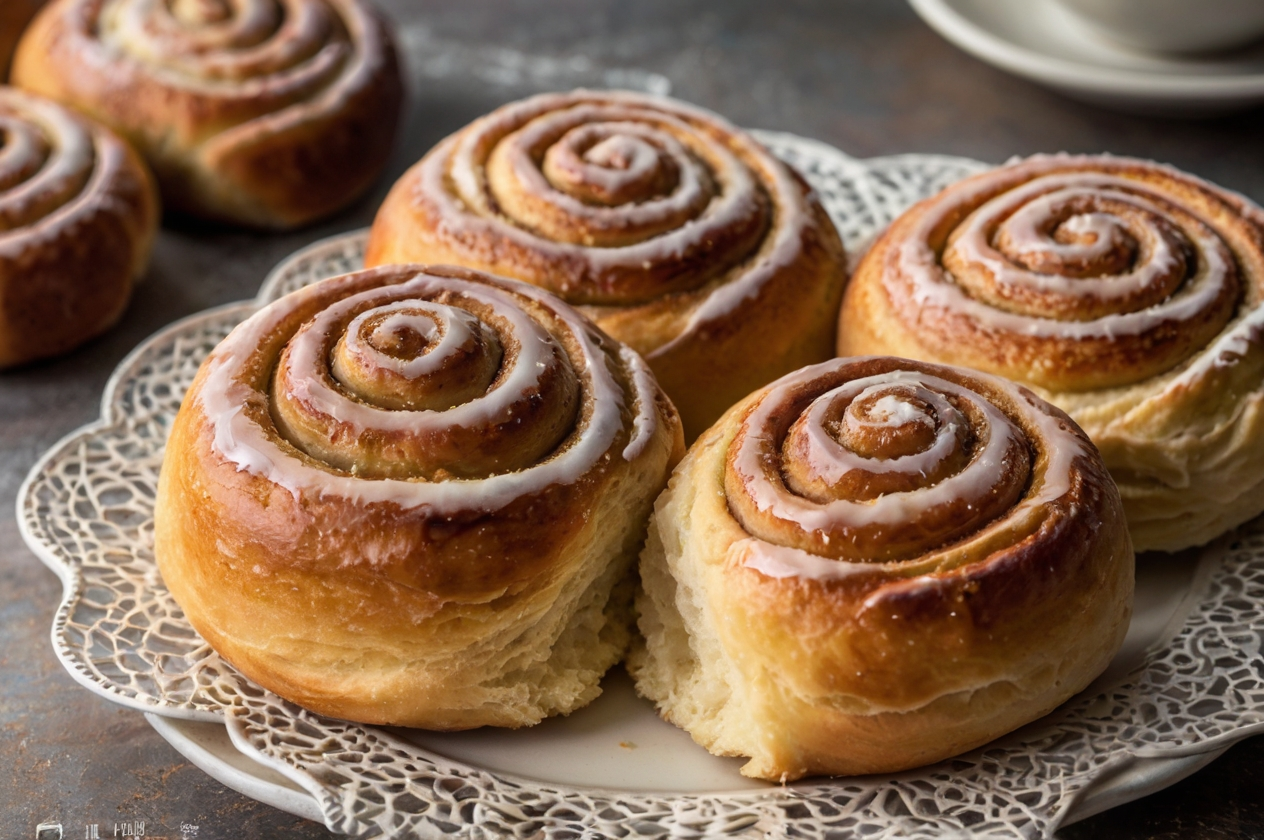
[
  {"x": 617, "y": 198},
  {"x": 551, "y": 409},
  {"x": 1089, "y": 277},
  {"x": 281, "y": 61},
  {"x": 48, "y": 163},
  {"x": 844, "y": 466}
]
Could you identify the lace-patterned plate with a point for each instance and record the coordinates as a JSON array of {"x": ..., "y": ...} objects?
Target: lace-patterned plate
[{"x": 1186, "y": 686}]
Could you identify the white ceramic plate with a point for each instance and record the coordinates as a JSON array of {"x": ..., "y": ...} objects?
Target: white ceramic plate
[
  {"x": 1184, "y": 688},
  {"x": 1040, "y": 41},
  {"x": 619, "y": 743}
]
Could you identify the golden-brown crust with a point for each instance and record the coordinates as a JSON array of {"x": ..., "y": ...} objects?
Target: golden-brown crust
[
  {"x": 676, "y": 232},
  {"x": 277, "y": 131},
  {"x": 78, "y": 214},
  {"x": 829, "y": 655},
  {"x": 14, "y": 16},
  {"x": 366, "y": 577},
  {"x": 1126, "y": 292}
]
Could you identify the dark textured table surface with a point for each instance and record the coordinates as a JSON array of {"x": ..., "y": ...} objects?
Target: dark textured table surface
[{"x": 866, "y": 76}]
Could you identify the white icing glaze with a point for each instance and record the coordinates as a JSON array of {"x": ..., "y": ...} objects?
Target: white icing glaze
[
  {"x": 252, "y": 448},
  {"x": 890, "y": 410},
  {"x": 286, "y": 61},
  {"x": 893, "y": 508},
  {"x": 1050, "y": 481},
  {"x": 780, "y": 561},
  {"x": 736, "y": 200},
  {"x": 308, "y": 349},
  {"x": 627, "y": 159},
  {"x": 77, "y": 182},
  {"x": 290, "y": 42},
  {"x": 466, "y": 212},
  {"x": 932, "y": 287},
  {"x": 832, "y": 461},
  {"x": 645, "y": 422},
  {"x": 442, "y": 328},
  {"x": 1233, "y": 344},
  {"x": 782, "y": 248},
  {"x": 55, "y": 149},
  {"x": 1025, "y": 209},
  {"x": 23, "y": 150},
  {"x": 648, "y": 146}
]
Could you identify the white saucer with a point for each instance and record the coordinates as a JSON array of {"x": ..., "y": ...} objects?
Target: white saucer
[{"x": 1040, "y": 41}]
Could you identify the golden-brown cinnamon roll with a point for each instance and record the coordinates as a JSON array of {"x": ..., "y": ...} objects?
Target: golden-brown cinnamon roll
[
  {"x": 413, "y": 496},
  {"x": 676, "y": 232},
  {"x": 78, "y": 212},
  {"x": 874, "y": 564},
  {"x": 14, "y": 16},
  {"x": 1125, "y": 292},
  {"x": 269, "y": 113}
]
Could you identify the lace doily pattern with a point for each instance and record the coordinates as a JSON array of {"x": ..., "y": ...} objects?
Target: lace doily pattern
[
  {"x": 864, "y": 196},
  {"x": 340, "y": 254},
  {"x": 87, "y": 510}
]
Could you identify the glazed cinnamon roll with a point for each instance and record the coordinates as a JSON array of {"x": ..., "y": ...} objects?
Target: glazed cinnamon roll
[
  {"x": 676, "y": 232},
  {"x": 78, "y": 212},
  {"x": 413, "y": 496},
  {"x": 1123, "y": 291},
  {"x": 874, "y": 564},
  {"x": 267, "y": 113}
]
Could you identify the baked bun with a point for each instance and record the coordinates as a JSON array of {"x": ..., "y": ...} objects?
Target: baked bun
[
  {"x": 14, "y": 16},
  {"x": 1125, "y": 292},
  {"x": 413, "y": 496},
  {"x": 874, "y": 564},
  {"x": 676, "y": 232},
  {"x": 266, "y": 113},
  {"x": 78, "y": 213}
]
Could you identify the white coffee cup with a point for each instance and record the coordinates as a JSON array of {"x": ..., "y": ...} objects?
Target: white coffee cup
[{"x": 1179, "y": 26}]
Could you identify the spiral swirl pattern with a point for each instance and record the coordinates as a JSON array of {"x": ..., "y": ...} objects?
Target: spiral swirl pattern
[
  {"x": 878, "y": 461},
  {"x": 1072, "y": 274},
  {"x": 875, "y": 563},
  {"x": 264, "y": 112},
  {"x": 622, "y": 197},
  {"x": 674, "y": 228},
  {"x": 1127, "y": 292},
  {"x": 413, "y": 495},
  {"x": 444, "y": 391},
  {"x": 441, "y": 389},
  {"x": 77, "y": 217}
]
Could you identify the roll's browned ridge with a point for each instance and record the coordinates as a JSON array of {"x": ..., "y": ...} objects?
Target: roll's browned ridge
[
  {"x": 413, "y": 496},
  {"x": 265, "y": 113},
  {"x": 875, "y": 564},
  {"x": 1124, "y": 291},
  {"x": 78, "y": 213},
  {"x": 14, "y": 16},
  {"x": 676, "y": 232}
]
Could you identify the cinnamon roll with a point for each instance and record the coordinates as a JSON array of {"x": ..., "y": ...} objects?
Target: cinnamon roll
[
  {"x": 874, "y": 564},
  {"x": 1125, "y": 292},
  {"x": 78, "y": 213},
  {"x": 673, "y": 230},
  {"x": 413, "y": 496},
  {"x": 266, "y": 113}
]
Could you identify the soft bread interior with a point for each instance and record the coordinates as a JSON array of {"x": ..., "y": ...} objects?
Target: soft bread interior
[
  {"x": 509, "y": 662},
  {"x": 739, "y": 691},
  {"x": 677, "y": 661}
]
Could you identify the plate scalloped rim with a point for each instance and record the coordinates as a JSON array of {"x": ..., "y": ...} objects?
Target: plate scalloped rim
[{"x": 250, "y": 706}]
